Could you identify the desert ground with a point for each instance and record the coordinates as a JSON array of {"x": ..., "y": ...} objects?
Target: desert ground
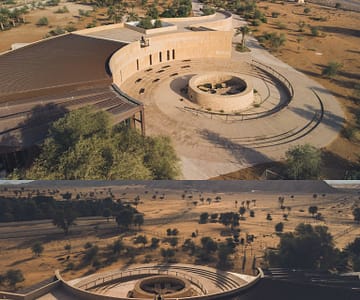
[{"x": 172, "y": 211}]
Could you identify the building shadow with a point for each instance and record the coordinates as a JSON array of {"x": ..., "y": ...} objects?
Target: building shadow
[{"x": 241, "y": 154}]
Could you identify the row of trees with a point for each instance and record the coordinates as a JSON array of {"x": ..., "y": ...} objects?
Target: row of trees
[
  {"x": 311, "y": 247},
  {"x": 10, "y": 17},
  {"x": 84, "y": 145}
]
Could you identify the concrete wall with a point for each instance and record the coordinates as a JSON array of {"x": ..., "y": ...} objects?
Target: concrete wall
[{"x": 179, "y": 46}]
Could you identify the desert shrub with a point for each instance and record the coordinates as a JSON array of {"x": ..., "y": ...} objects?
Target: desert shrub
[
  {"x": 314, "y": 31},
  {"x": 62, "y": 10},
  {"x": 207, "y": 10},
  {"x": 331, "y": 69},
  {"x": 307, "y": 10},
  {"x": 43, "y": 21},
  {"x": 275, "y": 14}
]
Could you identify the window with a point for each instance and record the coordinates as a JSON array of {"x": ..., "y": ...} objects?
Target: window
[
  {"x": 150, "y": 59},
  {"x": 160, "y": 57},
  {"x": 137, "y": 64},
  {"x": 173, "y": 54},
  {"x": 168, "y": 54}
]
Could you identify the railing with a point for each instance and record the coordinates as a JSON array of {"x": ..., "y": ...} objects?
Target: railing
[{"x": 131, "y": 273}]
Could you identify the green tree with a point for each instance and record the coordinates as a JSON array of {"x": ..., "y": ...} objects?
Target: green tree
[
  {"x": 307, "y": 247},
  {"x": 204, "y": 217},
  {"x": 242, "y": 211},
  {"x": 141, "y": 239},
  {"x": 83, "y": 145},
  {"x": 353, "y": 251},
  {"x": 208, "y": 244},
  {"x": 313, "y": 210},
  {"x": 279, "y": 227},
  {"x": 13, "y": 277},
  {"x": 154, "y": 243},
  {"x": 138, "y": 220},
  {"x": 124, "y": 218},
  {"x": 107, "y": 213},
  {"x": 224, "y": 250},
  {"x": 64, "y": 218},
  {"x": 244, "y": 31},
  {"x": 167, "y": 254},
  {"x": 37, "y": 248},
  {"x": 303, "y": 162},
  {"x": 117, "y": 246}
]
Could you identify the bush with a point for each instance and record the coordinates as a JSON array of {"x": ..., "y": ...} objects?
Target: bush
[
  {"x": 314, "y": 31},
  {"x": 331, "y": 69},
  {"x": 207, "y": 10},
  {"x": 307, "y": 10},
  {"x": 145, "y": 23},
  {"x": 256, "y": 22},
  {"x": 281, "y": 25},
  {"x": 42, "y": 21},
  {"x": 62, "y": 10},
  {"x": 57, "y": 31},
  {"x": 303, "y": 162},
  {"x": 84, "y": 13},
  {"x": 157, "y": 23},
  {"x": 70, "y": 28},
  {"x": 52, "y": 3}
]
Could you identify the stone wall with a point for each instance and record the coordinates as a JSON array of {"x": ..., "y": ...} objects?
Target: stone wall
[{"x": 166, "y": 48}]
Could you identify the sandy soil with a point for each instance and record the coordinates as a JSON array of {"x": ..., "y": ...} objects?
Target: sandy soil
[
  {"x": 171, "y": 212},
  {"x": 338, "y": 41}
]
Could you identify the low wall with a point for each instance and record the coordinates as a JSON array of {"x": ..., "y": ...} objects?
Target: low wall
[
  {"x": 168, "y": 47},
  {"x": 99, "y": 28},
  {"x": 221, "y": 25},
  {"x": 189, "y": 19},
  {"x": 33, "y": 294}
]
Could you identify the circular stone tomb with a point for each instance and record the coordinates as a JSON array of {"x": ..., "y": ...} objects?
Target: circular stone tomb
[
  {"x": 169, "y": 286},
  {"x": 221, "y": 91}
]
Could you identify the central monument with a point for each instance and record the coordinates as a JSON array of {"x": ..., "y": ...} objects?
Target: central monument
[
  {"x": 225, "y": 92},
  {"x": 164, "y": 285}
]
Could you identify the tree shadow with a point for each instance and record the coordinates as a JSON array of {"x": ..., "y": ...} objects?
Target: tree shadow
[
  {"x": 341, "y": 30},
  {"x": 241, "y": 154},
  {"x": 15, "y": 263},
  {"x": 36, "y": 127},
  {"x": 179, "y": 84},
  {"x": 329, "y": 119}
]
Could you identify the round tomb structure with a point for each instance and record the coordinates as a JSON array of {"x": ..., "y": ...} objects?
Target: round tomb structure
[
  {"x": 165, "y": 285},
  {"x": 223, "y": 91}
]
